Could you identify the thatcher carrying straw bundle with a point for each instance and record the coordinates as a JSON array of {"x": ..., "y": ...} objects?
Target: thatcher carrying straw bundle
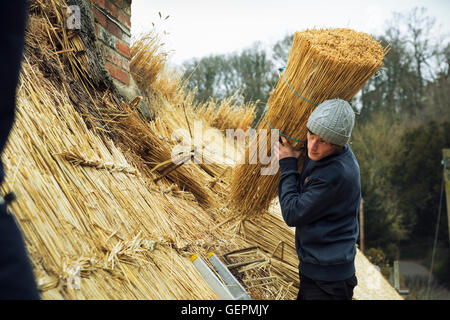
[{"x": 322, "y": 65}]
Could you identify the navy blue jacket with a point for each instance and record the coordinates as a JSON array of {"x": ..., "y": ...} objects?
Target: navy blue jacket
[
  {"x": 322, "y": 202},
  {"x": 16, "y": 274}
]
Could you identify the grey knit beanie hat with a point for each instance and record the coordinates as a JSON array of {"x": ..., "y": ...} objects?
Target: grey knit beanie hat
[{"x": 332, "y": 120}]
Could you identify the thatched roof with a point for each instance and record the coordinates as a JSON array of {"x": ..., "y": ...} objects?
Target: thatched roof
[{"x": 95, "y": 193}]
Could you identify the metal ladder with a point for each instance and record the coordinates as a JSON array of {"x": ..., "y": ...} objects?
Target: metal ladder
[{"x": 229, "y": 288}]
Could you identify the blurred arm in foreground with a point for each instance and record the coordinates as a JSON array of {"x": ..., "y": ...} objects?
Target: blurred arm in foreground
[{"x": 16, "y": 274}]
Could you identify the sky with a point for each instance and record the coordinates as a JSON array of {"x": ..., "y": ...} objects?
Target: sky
[{"x": 198, "y": 28}]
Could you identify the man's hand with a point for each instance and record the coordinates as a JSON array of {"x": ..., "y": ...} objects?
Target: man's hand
[{"x": 285, "y": 150}]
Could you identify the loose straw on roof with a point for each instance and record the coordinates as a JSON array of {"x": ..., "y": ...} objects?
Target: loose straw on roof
[
  {"x": 84, "y": 202},
  {"x": 102, "y": 221}
]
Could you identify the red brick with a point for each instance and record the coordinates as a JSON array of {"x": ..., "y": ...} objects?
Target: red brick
[
  {"x": 123, "y": 76},
  {"x": 100, "y": 17},
  {"x": 124, "y": 18},
  {"x": 118, "y": 73},
  {"x": 126, "y": 64},
  {"x": 113, "y": 57},
  {"x": 123, "y": 48},
  {"x": 111, "y": 8},
  {"x": 100, "y": 3},
  {"x": 114, "y": 29},
  {"x": 111, "y": 68}
]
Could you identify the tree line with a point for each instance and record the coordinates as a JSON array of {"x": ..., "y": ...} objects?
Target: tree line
[{"x": 399, "y": 134}]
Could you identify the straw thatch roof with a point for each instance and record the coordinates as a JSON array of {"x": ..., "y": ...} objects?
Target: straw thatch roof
[{"x": 97, "y": 193}]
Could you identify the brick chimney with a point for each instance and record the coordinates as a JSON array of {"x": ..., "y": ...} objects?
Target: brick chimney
[
  {"x": 105, "y": 29},
  {"x": 113, "y": 29}
]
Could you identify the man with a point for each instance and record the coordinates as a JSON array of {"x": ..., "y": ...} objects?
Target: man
[
  {"x": 322, "y": 202},
  {"x": 16, "y": 275}
]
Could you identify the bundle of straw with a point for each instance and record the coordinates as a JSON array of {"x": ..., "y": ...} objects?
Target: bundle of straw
[
  {"x": 226, "y": 115},
  {"x": 149, "y": 68},
  {"x": 150, "y": 145},
  {"x": 322, "y": 64}
]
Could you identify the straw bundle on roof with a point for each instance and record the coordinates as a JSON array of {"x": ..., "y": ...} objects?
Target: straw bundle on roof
[
  {"x": 227, "y": 115},
  {"x": 175, "y": 113},
  {"x": 322, "y": 64},
  {"x": 149, "y": 69},
  {"x": 149, "y": 141}
]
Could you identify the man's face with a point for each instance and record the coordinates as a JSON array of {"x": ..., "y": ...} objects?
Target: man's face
[{"x": 319, "y": 148}]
